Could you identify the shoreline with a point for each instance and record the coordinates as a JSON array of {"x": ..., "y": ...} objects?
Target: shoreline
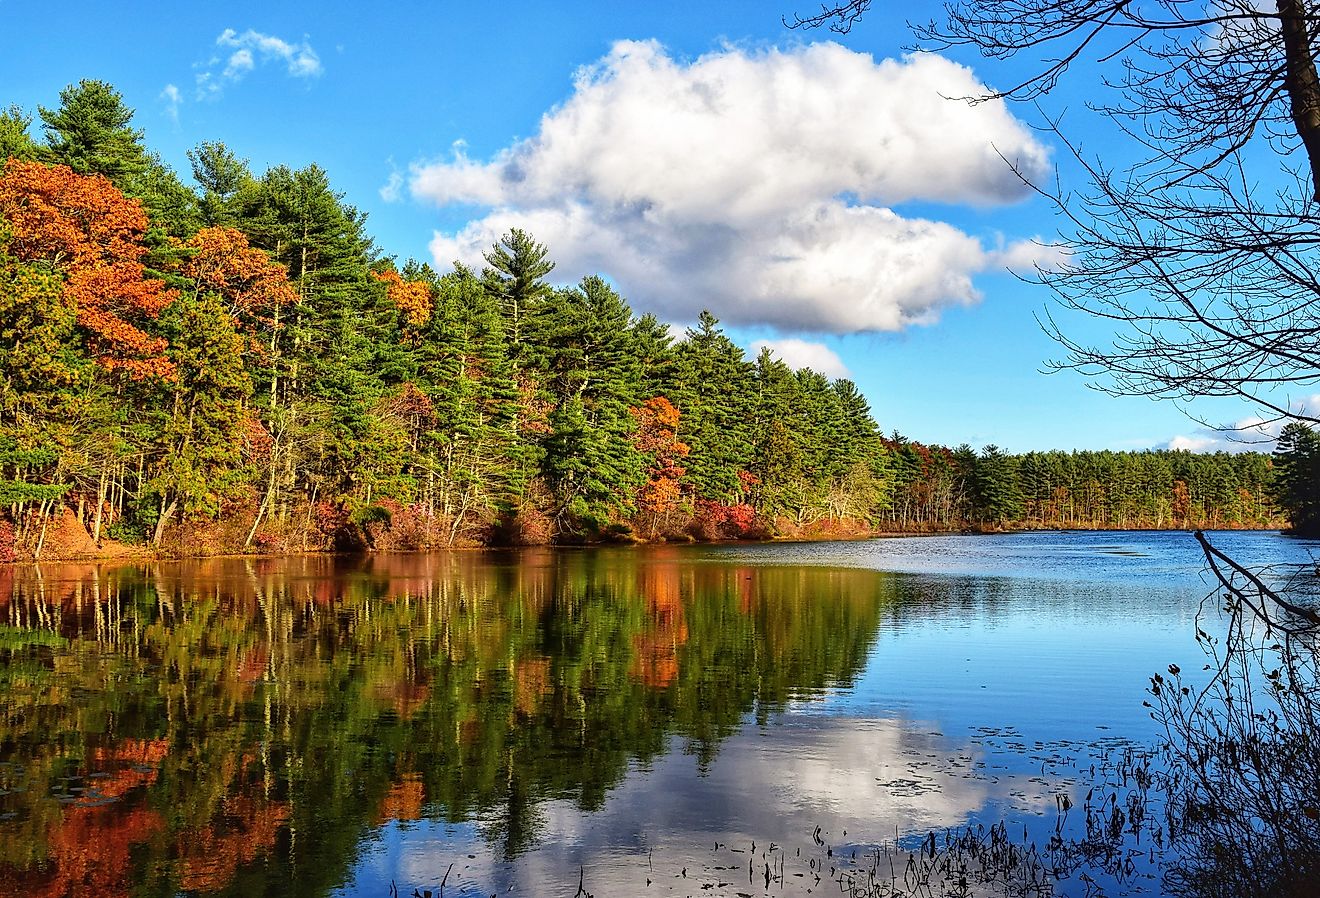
[{"x": 119, "y": 553}]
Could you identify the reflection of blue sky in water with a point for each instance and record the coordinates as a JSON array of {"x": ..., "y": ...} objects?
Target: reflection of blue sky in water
[
  {"x": 983, "y": 697},
  {"x": 1168, "y": 559},
  {"x": 773, "y": 783}
]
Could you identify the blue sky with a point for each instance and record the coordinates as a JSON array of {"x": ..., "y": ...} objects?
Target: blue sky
[{"x": 423, "y": 98}]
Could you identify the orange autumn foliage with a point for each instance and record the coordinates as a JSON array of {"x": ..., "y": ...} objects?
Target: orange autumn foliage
[
  {"x": 67, "y": 219},
  {"x": 135, "y": 751},
  {"x": 412, "y": 298},
  {"x": 222, "y": 261},
  {"x": 89, "y": 854},
  {"x": 84, "y": 228},
  {"x": 657, "y": 437}
]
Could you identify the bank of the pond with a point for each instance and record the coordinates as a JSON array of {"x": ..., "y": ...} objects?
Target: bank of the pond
[{"x": 65, "y": 536}]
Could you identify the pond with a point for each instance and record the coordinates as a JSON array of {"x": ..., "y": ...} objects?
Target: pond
[{"x": 696, "y": 720}]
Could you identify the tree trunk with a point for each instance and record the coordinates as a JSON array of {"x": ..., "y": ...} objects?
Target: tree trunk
[
  {"x": 166, "y": 512},
  {"x": 1302, "y": 82},
  {"x": 45, "y": 519},
  {"x": 101, "y": 488}
]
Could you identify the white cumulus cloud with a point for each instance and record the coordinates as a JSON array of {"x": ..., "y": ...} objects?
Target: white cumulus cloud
[
  {"x": 804, "y": 354},
  {"x": 759, "y": 184},
  {"x": 243, "y": 52}
]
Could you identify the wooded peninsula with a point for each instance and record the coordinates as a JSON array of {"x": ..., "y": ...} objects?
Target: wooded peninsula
[{"x": 235, "y": 366}]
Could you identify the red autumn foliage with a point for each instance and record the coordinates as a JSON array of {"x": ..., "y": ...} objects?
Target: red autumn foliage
[
  {"x": 1182, "y": 503},
  {"x": 257, "y": 441},
  {"x": 718, "y": 520},
  {"x": 409, "y": 407},
  {"x": 329, "y": 518},
  {"x": 409, "y": 528},
  {"x": 747, "y": 482},
  {"x": 8, "y": 542},
  {"x": 529, "y": 527}
]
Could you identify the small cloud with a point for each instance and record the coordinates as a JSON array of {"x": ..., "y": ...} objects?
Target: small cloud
[
  {"x": 1206, "y": 442},
  {"x": 239, "y": 64},
  {"x": 172, "y": 98},
  {"x": 1025, "y": 256},
  {"x": 393, "y": 187},
  {"x": 1250, "y": 434},
  {"x": 247, "y": 51},
  {"x": 804, "y": 354}
]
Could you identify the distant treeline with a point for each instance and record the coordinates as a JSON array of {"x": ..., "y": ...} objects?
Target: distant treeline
[
  {"x": 1087, "y": 490},
  {"x": 234, "y": 365}
]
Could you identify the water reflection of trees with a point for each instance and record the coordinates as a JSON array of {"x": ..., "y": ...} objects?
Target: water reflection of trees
[{"x": 216, "y": 725}]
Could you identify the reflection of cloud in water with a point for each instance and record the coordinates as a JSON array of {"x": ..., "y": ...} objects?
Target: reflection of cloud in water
[{"x": 858, "y": 780}]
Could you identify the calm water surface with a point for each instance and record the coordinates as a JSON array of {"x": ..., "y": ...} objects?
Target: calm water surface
[{"x": 677, "y": 721}]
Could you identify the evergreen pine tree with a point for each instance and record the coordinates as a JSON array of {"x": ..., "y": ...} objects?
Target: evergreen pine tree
[
  {"x": 715, "y": 394},
  {"x": 90, "y": 132},
  {"x": 515, "y": 275},
  {"x": 1297, "y": 462},
  {"x": 15, "y": 141}
]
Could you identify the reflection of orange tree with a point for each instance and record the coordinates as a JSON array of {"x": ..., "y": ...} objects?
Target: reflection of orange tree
[
  {"x": 91, "y": 844},
  {"x": 246, "y": 829},
  {"x": 656, "y": 659},
  {"x": 89, "y": 841},
  {"x": 89, "y": 853},
  {"x": 403, "y": 801}
]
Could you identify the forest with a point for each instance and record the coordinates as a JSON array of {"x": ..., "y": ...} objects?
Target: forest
[{"x": 233, "y": 365}]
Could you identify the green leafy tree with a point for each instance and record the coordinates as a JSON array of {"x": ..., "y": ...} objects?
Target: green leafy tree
[
  {"x": 998, "y": 490},
  {"x": 201, "y": 450},
  {"x": 593, "y": 379},
  {"x": 778, "y": 461},
  {"x": 318, "y": 384},
  {"x": 222, "y": 176},
  {"x": 713, "y": 391},
  {"x": 654, "y": 351},
  {"x": 471, "y": 459},
  {"x": 91, "y": 132}
]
